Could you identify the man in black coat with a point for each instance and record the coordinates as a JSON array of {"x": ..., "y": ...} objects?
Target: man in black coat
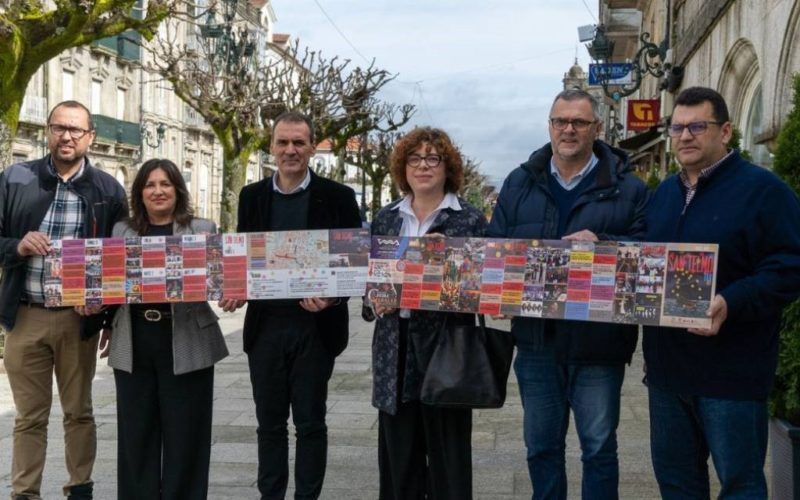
[
  {"x": 291, "y": 344},
  {"x": 575, "y": 188}
]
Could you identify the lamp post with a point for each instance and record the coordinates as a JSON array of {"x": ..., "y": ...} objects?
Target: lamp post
[
  {"x": 229, "y": 48},
  {"x": 649, "y": 59}
]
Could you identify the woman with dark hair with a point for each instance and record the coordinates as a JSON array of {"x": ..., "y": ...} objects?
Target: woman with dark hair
[
  {"x": 163, "y": 357},
  {"x": 423, "y": 451}
]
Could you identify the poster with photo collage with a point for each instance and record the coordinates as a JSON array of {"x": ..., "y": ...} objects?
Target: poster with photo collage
[
  {"x": 198, "y": 267},
  {"x": 662, "y": 284}
]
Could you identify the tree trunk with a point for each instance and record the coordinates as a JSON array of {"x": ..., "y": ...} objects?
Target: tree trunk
[
  {"x": 341, "y": 171},
  {"x": 5, "y": 145},
  {"x": 377, "y": 188},
  {"x": 234, "y": 176}
]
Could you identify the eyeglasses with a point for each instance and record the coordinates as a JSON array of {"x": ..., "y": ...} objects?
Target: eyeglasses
[
  {"x": 74, "y": 132},
  {"x": 578, "y": 125},
  {"x": 431, "y": 161},
  {"x": 695, "y": 128}
]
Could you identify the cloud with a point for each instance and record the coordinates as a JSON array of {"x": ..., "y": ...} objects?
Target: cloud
[{"x": 486, "y": 73}]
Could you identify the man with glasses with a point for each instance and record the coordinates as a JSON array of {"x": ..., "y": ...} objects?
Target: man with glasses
[
  {"x": 575, "y": 188},
  {"x": 708, "y": 387},
  {"x": 59, "y": 196}
]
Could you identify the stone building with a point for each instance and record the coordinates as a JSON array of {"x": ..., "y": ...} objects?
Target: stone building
[{"x": 747, "y": 50}]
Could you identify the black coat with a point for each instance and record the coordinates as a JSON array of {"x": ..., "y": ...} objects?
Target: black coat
[
  {"x": 26, "y": 192},
  {"x": 613, "y": 208},
  {"x": 330, "y": 206},
  {"x": 423, "y": 326}
]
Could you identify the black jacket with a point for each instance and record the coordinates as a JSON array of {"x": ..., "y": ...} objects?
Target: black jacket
[
  {"x": 613, "y": 208},
  {"x": 330, "y": 206},
  {"x": 26, "y": 192},
  {"x": 424, "y": 326}
]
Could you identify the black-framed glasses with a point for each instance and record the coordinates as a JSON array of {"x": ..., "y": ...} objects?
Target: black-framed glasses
[
  {"x": 74, "y": 132},
  {"x": 695, "y": 128},
  {"x": 430, "y": 161},
  {"x": 578, "y": 124}
]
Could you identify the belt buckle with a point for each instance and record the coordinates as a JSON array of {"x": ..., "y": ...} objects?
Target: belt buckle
[{"x": 152, "y": 315}]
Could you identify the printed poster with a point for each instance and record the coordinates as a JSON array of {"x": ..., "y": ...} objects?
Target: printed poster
[
  {"x": 614, "y": 282},
  {"x": 199, "y": 267}
]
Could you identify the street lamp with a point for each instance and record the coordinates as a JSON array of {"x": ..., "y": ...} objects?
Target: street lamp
[
  {"x": 649, "y": 59},
  {"x": 228, "y": 48}
]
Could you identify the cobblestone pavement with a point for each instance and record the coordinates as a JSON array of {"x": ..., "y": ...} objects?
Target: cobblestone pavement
[{"x": 500, "y": 471}]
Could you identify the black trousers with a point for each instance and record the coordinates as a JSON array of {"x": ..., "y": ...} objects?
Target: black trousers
[
  {"x": 424, "y": 452},
  {"x": 163, "y": 421},
  {"x": 290, "y": 367}
]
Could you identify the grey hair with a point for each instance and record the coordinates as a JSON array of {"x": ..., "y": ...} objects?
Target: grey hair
[{"x": 576, "y": 95}]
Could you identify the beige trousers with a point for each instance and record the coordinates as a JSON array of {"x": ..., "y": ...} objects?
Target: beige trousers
[{"x": 44, "y": 342}]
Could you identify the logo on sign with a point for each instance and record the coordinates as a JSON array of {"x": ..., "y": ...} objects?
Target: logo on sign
[{"x": 643, "y": 113}]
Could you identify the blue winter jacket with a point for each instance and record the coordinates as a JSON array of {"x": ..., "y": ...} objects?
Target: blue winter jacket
[
  {"x": 755, "y": 219},
  {"x": 613, "y": 208}
]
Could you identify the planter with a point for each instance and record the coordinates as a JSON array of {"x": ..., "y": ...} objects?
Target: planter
[{"x": 785, "y": 452}]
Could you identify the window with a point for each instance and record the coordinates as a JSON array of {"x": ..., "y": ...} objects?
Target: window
[
  {"x": 97, "y": 88},
  {"x": 121, "y": 96},
  {"x": 67, "y": 86},
  {"x": 202, "y": 192}
]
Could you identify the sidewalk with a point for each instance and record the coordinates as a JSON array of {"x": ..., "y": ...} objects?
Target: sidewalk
[{"x": 500, "y": 471}]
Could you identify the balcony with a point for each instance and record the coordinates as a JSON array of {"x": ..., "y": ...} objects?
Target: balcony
[
  {"x": 193, "y": 119},
  {"x": 34, "y": 110},
  {"x": 113, "y": 130},
  {"x": 125, "y": 46}
]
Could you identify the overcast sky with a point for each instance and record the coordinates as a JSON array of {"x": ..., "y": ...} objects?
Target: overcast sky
[{"x": 484, "y": 72}]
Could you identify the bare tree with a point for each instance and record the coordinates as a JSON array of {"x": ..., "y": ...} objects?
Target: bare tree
[
  {"x": 31, "y": 33},
  {"x": 476, "y": 188},
  {"x": 374, "y": 153},
  {"x": 239, "y": 84}
]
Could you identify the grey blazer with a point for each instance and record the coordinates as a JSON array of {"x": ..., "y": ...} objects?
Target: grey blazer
[{"x": 197, "y": 340}]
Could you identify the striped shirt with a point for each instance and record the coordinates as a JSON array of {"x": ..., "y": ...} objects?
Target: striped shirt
[
  {"x": 691, "y": 189},
  {"x": 64, "y": 219}
]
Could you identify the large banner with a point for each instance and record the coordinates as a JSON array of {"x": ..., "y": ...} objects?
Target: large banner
[
  {"x": 198, "y": 267},
  {"x": 617, "y": 282}
]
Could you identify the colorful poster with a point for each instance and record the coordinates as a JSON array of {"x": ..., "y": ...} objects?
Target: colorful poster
[
  {"x": 188, "y": 268},
  {"x": 615, "y": 282}
]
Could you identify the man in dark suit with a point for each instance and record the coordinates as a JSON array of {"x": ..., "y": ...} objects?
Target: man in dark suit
[{"x": 291, "y": 344}]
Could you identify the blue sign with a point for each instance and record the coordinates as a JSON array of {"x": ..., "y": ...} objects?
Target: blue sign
[{"x": 610, "y": 74}]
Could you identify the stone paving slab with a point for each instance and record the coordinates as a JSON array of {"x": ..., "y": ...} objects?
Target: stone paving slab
[{"x": 500, "y": 472}]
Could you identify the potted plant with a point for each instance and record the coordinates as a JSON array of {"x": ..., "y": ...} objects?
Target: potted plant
[{"x": 784, "y": 402}]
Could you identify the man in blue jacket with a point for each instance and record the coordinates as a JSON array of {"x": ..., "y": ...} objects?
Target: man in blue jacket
[
  {"x": 708, "y": 387},
  {"x": 575, "y": 188}
]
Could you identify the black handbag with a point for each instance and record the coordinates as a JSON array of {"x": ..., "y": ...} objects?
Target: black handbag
[{"x": 469, "y": 367}]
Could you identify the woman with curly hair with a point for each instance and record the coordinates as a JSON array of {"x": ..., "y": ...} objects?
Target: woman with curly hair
[{"x": 424, "y": 451}]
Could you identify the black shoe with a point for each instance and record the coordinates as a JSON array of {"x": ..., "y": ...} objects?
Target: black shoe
[
  {"x": 20, "y": 497},
  {"x": 80, "y": 492}
]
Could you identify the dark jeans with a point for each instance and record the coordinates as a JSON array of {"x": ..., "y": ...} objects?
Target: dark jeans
[
  {"x": 163, "y": 421},
  {"x": 290, "y": 367},
  {"x": 548, "y": 391},
  {"x": 685, "y": 429}
]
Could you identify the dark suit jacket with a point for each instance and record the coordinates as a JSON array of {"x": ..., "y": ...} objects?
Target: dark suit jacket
[{"x": 331, "y": 206}]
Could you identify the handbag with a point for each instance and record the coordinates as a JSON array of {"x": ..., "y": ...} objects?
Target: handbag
[{"x": 469, "y": 367}]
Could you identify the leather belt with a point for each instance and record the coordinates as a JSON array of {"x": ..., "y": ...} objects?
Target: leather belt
[{"x": 154, "y": 314}]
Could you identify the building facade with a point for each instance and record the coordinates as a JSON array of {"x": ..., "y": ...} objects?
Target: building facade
[{"x": 748, "y": 50}]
